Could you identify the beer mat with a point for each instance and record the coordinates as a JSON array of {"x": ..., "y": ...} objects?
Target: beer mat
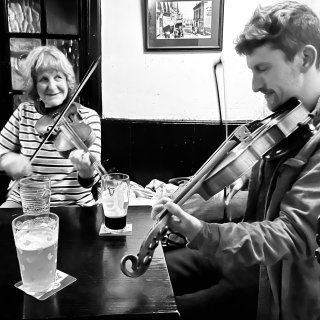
[
  {"x": 126, "y": 231},
  {"x": 62, "y": 280}
]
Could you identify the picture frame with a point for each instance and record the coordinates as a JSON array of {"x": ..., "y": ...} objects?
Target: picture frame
[{"x": 183, "y": 25}]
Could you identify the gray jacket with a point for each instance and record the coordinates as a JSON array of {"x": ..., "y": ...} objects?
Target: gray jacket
[{"x": 282, "y": 240}]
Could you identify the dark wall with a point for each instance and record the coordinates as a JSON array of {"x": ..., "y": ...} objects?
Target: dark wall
[{"x": 149, "y": 150}]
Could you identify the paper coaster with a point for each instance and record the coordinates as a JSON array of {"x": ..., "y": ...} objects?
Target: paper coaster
[
  {"x": 62, "y": 280},
  {"x": 104, "y": 231}
]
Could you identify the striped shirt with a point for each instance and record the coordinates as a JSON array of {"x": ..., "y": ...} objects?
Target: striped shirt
[{"x": 19, "y": 135}]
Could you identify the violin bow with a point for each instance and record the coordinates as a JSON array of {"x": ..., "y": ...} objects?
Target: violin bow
[{"x": 88, "y": 74}]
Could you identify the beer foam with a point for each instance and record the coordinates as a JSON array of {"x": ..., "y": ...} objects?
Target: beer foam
[
  {"x": 107, "y": 201},
  {"x": 114, "y": 212},
  {"x": 35, "y": 240},
  {"x": 112, "y": 206}
]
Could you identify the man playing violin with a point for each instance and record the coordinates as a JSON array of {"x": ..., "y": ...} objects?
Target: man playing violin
[
  {"x": 50, "y": 82},
  {"x": 215, "y": 274}
]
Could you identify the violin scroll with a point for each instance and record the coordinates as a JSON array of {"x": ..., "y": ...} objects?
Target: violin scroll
[
  {"x": 317, "y": 252},
  {"x": 141, "y": 262},
  {"x": 137, "y": 267}
]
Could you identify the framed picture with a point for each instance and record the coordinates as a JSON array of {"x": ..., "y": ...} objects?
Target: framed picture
[{"x": 183, "y": 25}]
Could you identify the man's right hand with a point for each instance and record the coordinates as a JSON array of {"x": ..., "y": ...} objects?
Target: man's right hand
[{"x": 15, "y": 165}]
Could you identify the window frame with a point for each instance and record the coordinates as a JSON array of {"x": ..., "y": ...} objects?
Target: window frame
[{"x": 89, "y": 38}]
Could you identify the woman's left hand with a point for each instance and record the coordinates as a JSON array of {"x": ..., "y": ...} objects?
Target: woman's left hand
[{"x": 82, "y": 163}]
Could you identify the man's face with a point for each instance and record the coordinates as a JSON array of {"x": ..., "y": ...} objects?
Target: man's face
[{"x": 274, "y": 76}]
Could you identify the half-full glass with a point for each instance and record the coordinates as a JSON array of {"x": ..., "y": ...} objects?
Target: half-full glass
[
  {"x": 115, "y": 192},
  {"x": 35, "y": 194},
  {"x": 36, "y": 240}
]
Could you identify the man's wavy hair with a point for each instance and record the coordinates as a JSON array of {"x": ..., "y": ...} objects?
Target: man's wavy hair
[
  {"x": 46, "y": 58},
  {"x": 286, "y": 25}
]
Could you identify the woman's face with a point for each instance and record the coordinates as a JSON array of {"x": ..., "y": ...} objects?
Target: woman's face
[{"x": 52, "y": 87}]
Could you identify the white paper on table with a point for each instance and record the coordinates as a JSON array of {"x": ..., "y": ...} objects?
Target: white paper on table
[{"x": 133, "y": 202}]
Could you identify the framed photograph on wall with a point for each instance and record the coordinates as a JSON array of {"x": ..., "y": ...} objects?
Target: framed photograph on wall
[{"x": 183, "y": 25}]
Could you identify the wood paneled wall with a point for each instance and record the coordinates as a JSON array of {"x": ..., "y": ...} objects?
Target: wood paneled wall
[{"x": 158, "y": 150}]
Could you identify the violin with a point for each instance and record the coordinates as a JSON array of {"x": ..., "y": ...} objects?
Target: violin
[
  {"x": 74, "y": 119},
  {"x": 70, "y": 133},
  {"x": 245, "y": 147}
]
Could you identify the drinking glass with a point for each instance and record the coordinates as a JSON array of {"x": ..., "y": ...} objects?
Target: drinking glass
[
  {"x": 36, "y": 241},
  {"x": 115, "y": 192},
  {"x": 35, "y": 194}
]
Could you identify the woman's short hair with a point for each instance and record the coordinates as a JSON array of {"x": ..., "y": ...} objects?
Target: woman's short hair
[
  {"x": 286, "y": 25},
  {"x": 46, "y": 58}
]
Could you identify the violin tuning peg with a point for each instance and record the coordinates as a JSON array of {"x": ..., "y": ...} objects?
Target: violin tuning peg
[
  {"x": 163, "y": 230},
  {"x": 153, "y": 244},
  {"x": 317, "y": 255},
  {"x": 318, "y": 238},
  {"x": 147, "y": 260}
]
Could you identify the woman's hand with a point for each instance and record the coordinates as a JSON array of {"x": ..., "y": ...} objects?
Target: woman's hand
[
  {"x": 180, "y": 221},
  {"x": 82, "y": 163},
  {"x": 15, "y": 165}
]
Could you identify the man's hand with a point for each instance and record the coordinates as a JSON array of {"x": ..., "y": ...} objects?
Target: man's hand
[
  {"x": 180, "y": 221},
  {"x": 15, "y": 165}
]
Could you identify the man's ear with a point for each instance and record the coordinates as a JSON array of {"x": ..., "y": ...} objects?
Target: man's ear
[{"x": 309, "y": 57}]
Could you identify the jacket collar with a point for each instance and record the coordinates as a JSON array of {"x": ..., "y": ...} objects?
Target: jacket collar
[{"x": 316, "y": 114}]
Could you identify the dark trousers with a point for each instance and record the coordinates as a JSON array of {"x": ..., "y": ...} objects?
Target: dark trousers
[{"x": 204, "y": 290}]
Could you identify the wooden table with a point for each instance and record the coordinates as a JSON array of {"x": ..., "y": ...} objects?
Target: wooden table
[{"x": 101, "y": 289}]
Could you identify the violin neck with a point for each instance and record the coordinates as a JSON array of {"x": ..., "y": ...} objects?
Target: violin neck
[{"x": 195, "y": 183}]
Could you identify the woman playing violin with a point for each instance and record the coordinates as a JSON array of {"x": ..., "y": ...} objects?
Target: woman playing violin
[
  {"x": 281, "y": 43},
  {"x": 50, "y": 82}
]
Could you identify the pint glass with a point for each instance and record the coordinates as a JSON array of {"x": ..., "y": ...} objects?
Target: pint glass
[{"x": 36, "y": 240}]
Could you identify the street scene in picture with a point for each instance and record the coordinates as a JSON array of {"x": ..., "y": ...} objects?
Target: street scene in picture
[{"x": 183, "y": 19}]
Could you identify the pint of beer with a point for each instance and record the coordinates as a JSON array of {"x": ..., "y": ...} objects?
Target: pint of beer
[
  {"x": 36, "y": 240},
  {"x": 115, "y": 191}
]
